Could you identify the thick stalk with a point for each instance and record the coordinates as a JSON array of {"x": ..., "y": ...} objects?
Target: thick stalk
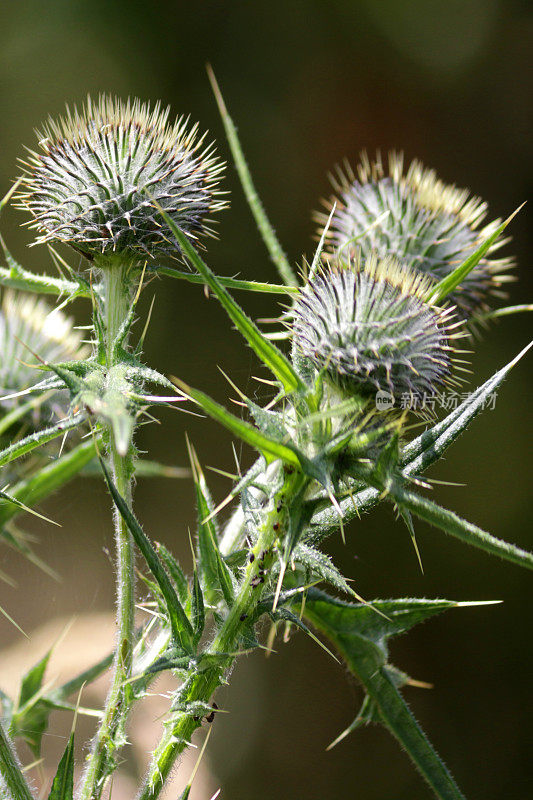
[
  {"x": 108, "y": 738},
  {"x": 178, "y": 733},
  {"x": 12, "y": 780}
]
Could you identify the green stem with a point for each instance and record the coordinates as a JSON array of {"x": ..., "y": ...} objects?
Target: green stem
[
  {"x": 10, "y": 772},
  {"x": 201, "y": 685},
  {"x": 109, "y": 735}
]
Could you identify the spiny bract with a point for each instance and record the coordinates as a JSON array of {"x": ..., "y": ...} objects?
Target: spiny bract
[
  {"x": 101, "y": 172},
  {"x": 417, "y": 218},
  {"x": 368, "y": 324},
  {"x": 28, "y": 325}
]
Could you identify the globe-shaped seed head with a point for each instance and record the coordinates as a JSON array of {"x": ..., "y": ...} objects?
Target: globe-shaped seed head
[
  {"x": 100, "y": 173},
  {"x": 413, "y": 216},
  {"x": 368, "y": 324}
]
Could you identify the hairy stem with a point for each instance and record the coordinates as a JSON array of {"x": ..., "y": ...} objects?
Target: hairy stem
[
  {"x": 11, "y": 778},
  {"x": 109, "y": 736},
  {"x": 200, "y": 685}
]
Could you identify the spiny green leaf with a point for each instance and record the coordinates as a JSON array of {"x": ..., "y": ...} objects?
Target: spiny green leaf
[
  {"x": 430, "y": 445},
  {"x": 197, "y": 606},
  {"x": 506, "y": 311},
  {"x": 175, "y": 572},
  {"x": 48, "y": 479},
  {"x": 63, "y": 785},
  {"x": 30, "y": 721},
  {"x": 270, "y": 422},
  {"x": 144, "y": 468},
  {"x": 419, "y": 454},
  {"x": 451, "y": 523},
  {"x": 362, "y": 642},
  {"x": 273, "y": 358},
  {"x": 207, "y": 532},
  {"x": 452, "y": 281},
  {"x": 32, "y": 681},
  {"x": 182, "y": 631},
  {"x": 172, "y": 659},
  {"x": 230, "y": 283},
  {"x": 265, "y": 228},
  {"x": 11, "y": 778},
  {"x": 34, "y": 440},
  {"x": 13, "y": 539},
  {"x": 397, "y": 616},
  {"x": 15, "y": 277},
  {"x": 319, "y": 564},
  {"x": 271, "y": 449}
]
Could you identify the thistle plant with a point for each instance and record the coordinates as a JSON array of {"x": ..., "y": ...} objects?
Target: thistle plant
[{"x": 379, "y": 310}]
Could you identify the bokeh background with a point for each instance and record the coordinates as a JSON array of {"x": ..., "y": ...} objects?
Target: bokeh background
[{"x": 308, "y": 83}]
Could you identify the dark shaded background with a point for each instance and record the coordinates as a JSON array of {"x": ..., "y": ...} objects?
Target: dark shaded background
[{"x": 309, "y": 83}]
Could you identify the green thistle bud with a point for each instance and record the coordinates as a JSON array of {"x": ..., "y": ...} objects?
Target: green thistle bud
[
  {"x": 368, "y": 324},
  {"x": 417, "y": 218},
  {"x": 100, "y": 173},
  {"x": 28, "y": 325}
]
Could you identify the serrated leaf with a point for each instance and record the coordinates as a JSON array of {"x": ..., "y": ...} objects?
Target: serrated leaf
[
  {"x": 430, "y": 445},
  {"x": 320, "y": 565},
  {"x": 362, "y": 643},
  {"x": 451, "y": 523},
  {"x": 63, "y": 785},
  {"x": 269, "y": 354},
  {"x": 270, "y": 422},
  {"x": 230, "y": 283},
  {"x": 182, "y": 631}
]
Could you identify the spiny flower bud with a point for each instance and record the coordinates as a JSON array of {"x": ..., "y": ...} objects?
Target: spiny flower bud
[
  {"x": 28, "y": 325},
  {"x": 100, "y": 173},
  {"x": 417, "y": 218},
  {"x": 368, "y": 324}
]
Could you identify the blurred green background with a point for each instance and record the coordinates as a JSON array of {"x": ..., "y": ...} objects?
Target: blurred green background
[{"x": 308, "y": 83}]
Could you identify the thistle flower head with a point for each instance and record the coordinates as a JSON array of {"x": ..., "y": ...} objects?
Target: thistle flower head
[
  {"x": 417, "y": 218},
  {"x": 28, "y": 325},
  {"x": 100, "y": 173},
  {"x": 368, "y": 324}
]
